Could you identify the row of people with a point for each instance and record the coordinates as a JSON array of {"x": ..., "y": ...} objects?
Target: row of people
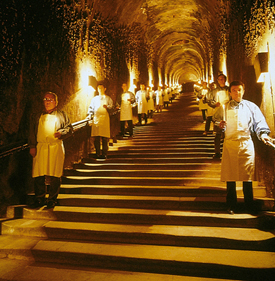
[
  {"x": 49, "y": 128},
  {"x": 210, "y": 100}
]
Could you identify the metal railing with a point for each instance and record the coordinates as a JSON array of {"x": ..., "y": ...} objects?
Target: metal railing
[{"x": 22, "y": 145}]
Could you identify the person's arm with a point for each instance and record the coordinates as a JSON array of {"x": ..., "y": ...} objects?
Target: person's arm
[
  {"x": 32, "y": 140},
  {"x": 118, "y": 101},
  {"x": 91, "y": 110},
  {"x": 212, "y": 99},
  {"x": 66, "y": 128},
  {"x": 260, "y": 127},
  {"x": 217, "y": 118},
  {"x": 109, "y": 106},
  {"x": 132, "y": 97}
]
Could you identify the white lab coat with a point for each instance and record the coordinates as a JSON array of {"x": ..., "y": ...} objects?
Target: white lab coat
[
  {"x": 238, "y": 158},
  {"x": 151, "y": 103},
  {"x": 141, "y": 98},
  {"x": 101, "y": 119},
  {"x": 50, "y": 153},
  {"x": 202, "y": 93},
  {"x": 220, "y": 95},
  {"x": 126, "y": 112},
  {"x": 166, "y": 95},
  {"x": 159, "y": 98}
]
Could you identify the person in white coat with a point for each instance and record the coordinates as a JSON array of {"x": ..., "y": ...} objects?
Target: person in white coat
[
  {"x": 210, "y": 109},
  {"x": 159, "y": 99},
  {"x": 151, "y": 102},
  {"x": 125, "y": 102},
  {"x": 240, "y": 118},
  {"x": 166, "y": 96},
  {"x": 100, "y": 109},
  {"x": 47, "y": 131},
  {"x": 142, "y": 103},
  {"x": 201, "y": 96},
  {"x": 219, "y": 97}
]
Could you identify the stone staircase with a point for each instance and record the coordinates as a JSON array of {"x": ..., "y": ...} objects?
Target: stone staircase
[{"x": 154, "y": 209}]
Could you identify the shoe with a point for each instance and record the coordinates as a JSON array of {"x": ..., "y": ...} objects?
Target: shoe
[
  {"x": 205, "y": 133},
  {"x": 217, "y": 156},
  {"x": 230, "y": 211},
  {"x": 51, "y": 204},
  {"x": 38, "y": 204},
  {"x": 102, "y": 158}
]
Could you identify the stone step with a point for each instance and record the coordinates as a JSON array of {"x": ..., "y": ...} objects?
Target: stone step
[
  {"x": 171, "y": 191},
  {"x": 143, "y": 202},
  {"x": 199, "y": 262},
  {"x": 145, "y": 173},
  {"x": 26, "y": 269},
  {"x": 195, "y": 153},
  {"x": 141, "y": 181},
  {"x": 96, "y": 165},
  {"x": 159, "y": 140},
  {"x": 149, "y": 216},
  {"x": 166, "y": 235},
  {"x": 154, "y": 159}
]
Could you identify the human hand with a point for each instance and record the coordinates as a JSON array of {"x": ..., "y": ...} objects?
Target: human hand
[
  {"x": 57, "y": 135},
  {"x": 222, "y": 124},
  {"x": 33, "y": 151},
  {"x": 267, "y": 140},
  {"x": 218, "y": 104},
  {"x": 105, "y": 106}
]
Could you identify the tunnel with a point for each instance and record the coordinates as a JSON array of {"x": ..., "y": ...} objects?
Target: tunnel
[
  {"x": 158, "y": 194},
  {"x": 64, "y": 45}
]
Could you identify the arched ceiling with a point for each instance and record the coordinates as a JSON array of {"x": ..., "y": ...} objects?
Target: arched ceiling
[{"x": 178, "y": 31}]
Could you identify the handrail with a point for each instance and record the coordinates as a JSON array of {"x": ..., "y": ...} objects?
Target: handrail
[{"x": 22, "y": 145}]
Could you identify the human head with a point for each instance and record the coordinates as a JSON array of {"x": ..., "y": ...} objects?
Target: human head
[
  {"x": 212, "y": 86},
  {"x": 221, "y": 79},
  {"x": 142, "y": 86},
  {"x": 101, "y": 87},
  {"x": 50, "y": 101},
  {"x": 204, "y": 84},
  {"x": 124, "y": 87},
  {"x": 236, "y": 90}
]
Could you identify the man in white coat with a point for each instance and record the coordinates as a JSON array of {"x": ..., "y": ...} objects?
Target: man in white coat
[
  {"x": 47, "y": 131},
  {"x": 125, "y": 102},
  {"x": 239, "y": 118},
  {"x": 159, "y": 99},
  {"x": 202, "y": 96},
  {"x": 100, "y": 108},
  {"x": 142, "y": 100}
]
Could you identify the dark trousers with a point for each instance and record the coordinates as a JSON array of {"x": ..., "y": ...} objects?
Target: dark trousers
[
  {"x": 203, "y": 112},
  {"x": 208, "y": 123},
  {"x": 104, "y": 145},
  {"x": 231, "y": 197},
  {"x": 140, "y": 116},
  {"x": 217, "y": 142},
  {"x": 130, "y": 127},
  {"x": 40, "y": 188}
]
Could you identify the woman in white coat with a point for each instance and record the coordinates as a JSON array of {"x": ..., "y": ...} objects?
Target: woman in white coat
[
  {"x": 100, "y": 109},
  {"x": 142, "y": 104},
  {"x": 239, "y": 118}
]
